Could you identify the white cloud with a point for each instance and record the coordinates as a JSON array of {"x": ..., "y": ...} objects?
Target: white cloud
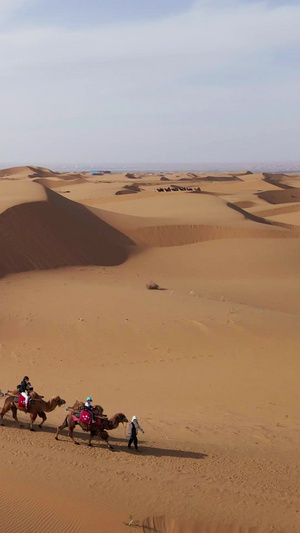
[
  {"x": 179, "y": 74},
  {"x": 201, "y": 32},
  {"x": 8, "y": 8}
]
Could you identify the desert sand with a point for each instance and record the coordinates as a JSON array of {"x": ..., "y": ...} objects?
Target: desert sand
[{"x": 210, "y": 364}]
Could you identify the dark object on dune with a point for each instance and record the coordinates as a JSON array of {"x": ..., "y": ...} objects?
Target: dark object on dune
[
  {"x": 134, "y": 187},
  {"x": 220, "y": 178},
  {"x": 153, "y": 286},
  {"x": 163, "y": 178},
  {"x": 123, "y": 191},
  {"x": 129, "y": 189},
  {"x": 131, "y": 176}
]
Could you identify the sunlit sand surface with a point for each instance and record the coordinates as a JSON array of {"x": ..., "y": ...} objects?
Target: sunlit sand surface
[{"x": 210, "y": 364}]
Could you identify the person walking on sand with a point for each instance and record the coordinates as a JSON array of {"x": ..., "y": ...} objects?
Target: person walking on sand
[{"x": 134, "y": 427}]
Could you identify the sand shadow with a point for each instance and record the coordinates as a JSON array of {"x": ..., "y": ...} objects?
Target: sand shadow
[
  {"x": 165, "y": 452},
  {"x": 119, "y": 443},
  {"x": 155, "y": 451}
]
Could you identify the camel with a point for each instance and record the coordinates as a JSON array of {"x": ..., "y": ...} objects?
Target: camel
[
  {"x": 37, "y": 408},
  {"x": 33, "y": 395},
  {"x": 94, "y": 429}
]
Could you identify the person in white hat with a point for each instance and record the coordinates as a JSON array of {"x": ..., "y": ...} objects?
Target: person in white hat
[{"x": 134, "y": 427}]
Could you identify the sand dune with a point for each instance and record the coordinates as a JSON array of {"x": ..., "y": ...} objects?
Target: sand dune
[
  {"x": 276, "y": 179},
  {"x": 57, "y": 233},
  {"x": 24, "y": 192},
  {"x": 175, "y": 207},
  {"x": 281, "y": 197},
  {"x": 15, "y": 173},
  {"x": 172, "y": 225},
  {"x": 244, "y": 204},
  {"x": 270, "y": 212},
  {"x": 129, "y": 189},
  {"x": 219, "y": 179},
  {"x": 178, "y": 235},
  {"x": 210, "y": 364},
  {"x": 27, "y": 172},
  {"x": 59, "y": 182}
]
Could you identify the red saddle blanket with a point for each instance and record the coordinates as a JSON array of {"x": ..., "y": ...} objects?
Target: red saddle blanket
[
  {"x": 21, "y": 401},
  {"x": 85, "y": 417}
]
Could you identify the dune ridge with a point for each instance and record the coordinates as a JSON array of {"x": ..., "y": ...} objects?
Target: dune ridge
[
  {"x": 51, "y": 183},
  {"x": 179, "y": 235}
]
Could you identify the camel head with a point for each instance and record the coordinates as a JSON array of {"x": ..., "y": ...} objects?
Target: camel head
[
  {"x": 121, "y": 418},
  {"x": 59, "y": 401}
]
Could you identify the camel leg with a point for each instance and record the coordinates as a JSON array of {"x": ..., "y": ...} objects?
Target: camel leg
[
  {"x": 3, "y": 412},
  {"x": 14, "y": 414},
  {"x": 104, "y": 436},
  {"x": 60, "y": 428},
  {"x": 71, "y": 429},
  {"x": 33, "y": 417},
  {"x": 43, "y": 416},
  {"x": 6, "y": 407},
  {"x": 92, "y": 434},
  {"x": 71, "y": 425}
]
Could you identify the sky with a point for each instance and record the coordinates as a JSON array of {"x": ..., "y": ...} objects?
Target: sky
[{"x": 149, "y": 81}]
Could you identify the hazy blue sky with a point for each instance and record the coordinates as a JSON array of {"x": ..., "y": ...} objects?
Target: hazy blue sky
[{"x": 149, "y": 81}]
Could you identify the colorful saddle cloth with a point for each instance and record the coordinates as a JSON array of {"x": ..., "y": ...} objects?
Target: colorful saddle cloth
[
  {"x": 21, "y": 401},
  {"x": 85, "y": 417}
]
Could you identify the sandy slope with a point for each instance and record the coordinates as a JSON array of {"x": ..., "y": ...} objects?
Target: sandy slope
[{"x": 210, "y": 365}]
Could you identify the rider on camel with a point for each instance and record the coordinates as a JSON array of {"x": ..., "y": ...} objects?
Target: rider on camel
[
  {"x": 90, "y": 408},
  {"x": 24, "y": 389}
]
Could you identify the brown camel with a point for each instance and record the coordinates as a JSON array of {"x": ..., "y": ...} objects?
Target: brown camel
[
  {"x": 36, "y": 408},
  {"x": 94, "y": 429}
]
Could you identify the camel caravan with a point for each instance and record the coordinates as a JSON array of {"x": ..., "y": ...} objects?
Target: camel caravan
[
  {"x": 89, "y": 417},
  {"x": 174, "y": 188}
]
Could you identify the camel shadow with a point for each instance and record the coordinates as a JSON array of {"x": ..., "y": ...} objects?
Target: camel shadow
[
  {"x": 165, "y": 452},
  {"x": 119, "y": 443},
  {"x": 156, "y": 452},
  {"x": 23, "y": 424}
]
